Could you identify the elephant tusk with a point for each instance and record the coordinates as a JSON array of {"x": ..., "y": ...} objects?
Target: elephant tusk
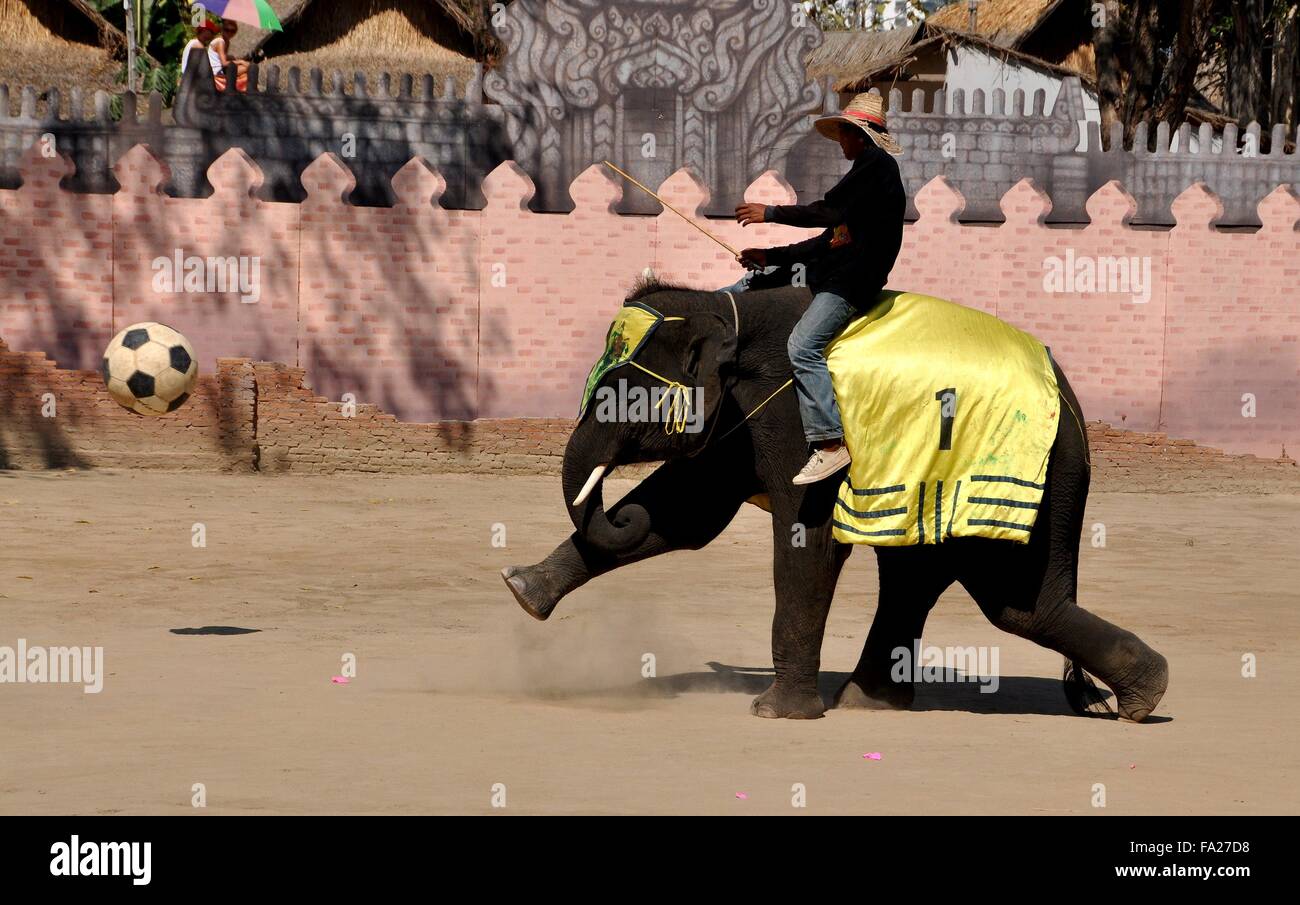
[{"x": 596, "y": 474}]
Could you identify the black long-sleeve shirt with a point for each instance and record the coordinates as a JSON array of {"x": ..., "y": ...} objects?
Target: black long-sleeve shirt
[{"x": 863, "y": 216}]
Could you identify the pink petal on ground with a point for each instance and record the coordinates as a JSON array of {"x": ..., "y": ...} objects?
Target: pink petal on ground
[
  {"x": 340, "y": 680},
  {"x": 873, "y": 755},
  {"x": 742, "y": 796},
  {"x": 1132, "y": 766}
]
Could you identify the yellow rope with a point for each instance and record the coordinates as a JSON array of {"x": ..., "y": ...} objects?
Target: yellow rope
[
  {"x": 767, "y": 400},
  {"x": 678, "y": 398},
  {"x": 628, "y": 177}
]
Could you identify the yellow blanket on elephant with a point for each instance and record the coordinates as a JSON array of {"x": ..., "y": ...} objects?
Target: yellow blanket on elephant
[{"x": 949, "y": 415}]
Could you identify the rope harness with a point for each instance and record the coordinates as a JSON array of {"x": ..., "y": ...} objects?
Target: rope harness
[
  {"x": 678, "y": 398},
  {"x": 676, "y": 403},
  {"x": 735, "y": 315},
  {"x": 679, "y": 410}
]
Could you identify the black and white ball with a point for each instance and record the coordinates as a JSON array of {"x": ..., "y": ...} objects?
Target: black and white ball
[{"x": 150, "y": 369}]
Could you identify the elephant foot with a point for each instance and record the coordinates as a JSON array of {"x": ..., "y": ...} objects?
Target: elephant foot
[
  {"x": 1136, "y": 700},
  {"x": 778, "y": 703},
  {"x": 859, "y": 694},
  {"x": 531, "y": 589}
]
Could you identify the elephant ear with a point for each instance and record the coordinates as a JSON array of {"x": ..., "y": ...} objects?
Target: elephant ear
[{"x": 709, "y": 358}]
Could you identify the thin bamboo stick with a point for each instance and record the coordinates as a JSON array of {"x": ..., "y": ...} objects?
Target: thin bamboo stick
[{"x": 630, "y": 179}]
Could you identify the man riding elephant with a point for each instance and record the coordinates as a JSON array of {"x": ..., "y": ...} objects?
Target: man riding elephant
[
  {"x": 1008, "y": 431},
  {"x": 845, "y": 267}
]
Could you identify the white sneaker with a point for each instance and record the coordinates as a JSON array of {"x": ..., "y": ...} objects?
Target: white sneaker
[{"x": 822, "y": 465}]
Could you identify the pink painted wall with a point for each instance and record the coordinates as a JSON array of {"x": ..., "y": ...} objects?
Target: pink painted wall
[
  {"x": 435, "y": 314},
  {"x": 148, "y": 225},
  {"x": 56, "y": 265}
]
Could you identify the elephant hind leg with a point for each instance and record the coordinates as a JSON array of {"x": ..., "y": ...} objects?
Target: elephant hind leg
[
  {"x": 1031, "y": 589},
  {"x": 911, "y": 582},
  {"x": 1137, "y": 674}
]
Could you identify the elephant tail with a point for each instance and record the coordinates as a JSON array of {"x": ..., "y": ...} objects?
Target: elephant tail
[{"x": 1085, "y": 698}]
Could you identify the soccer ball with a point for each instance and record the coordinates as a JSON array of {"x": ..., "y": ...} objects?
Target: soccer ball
[{"x": 150, "y": 369}]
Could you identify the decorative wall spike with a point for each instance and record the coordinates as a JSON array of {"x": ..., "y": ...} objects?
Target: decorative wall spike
[
  {"x": 717, "y": 86},
  {"x": 284, "y": 131}
]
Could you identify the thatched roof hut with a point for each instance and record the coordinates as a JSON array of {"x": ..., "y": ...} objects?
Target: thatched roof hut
[
  {"x": 58, "y": 44},
  {"x": 436, "y": 37},
  {"x": 1004, "y": 22},
  {"x": 1050, "y": 36},
  {"x": 1054, "y": 31},
  {"x": 847, "y": 56}
]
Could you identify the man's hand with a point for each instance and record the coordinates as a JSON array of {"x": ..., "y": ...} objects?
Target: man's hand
[
  {"x": 750, "y": 213},
  {"x": 753, "y": 258}
]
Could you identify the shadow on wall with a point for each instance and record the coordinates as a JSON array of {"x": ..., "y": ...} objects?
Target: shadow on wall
[
  {"x": 232, "y": 420},
  {"x": 290, "y": 117},
  {"x": 399, "y": 327},
  {"x": 43, "y": 219},
  {"x": 1238, "y": 395},
  {"x": 229, "y": 222},
  {"x": 384, "y": 292},
  {"x": 375, "y": 298},
  {"x": 21, "y": 416},
  {"x": 65, "y": 334}
]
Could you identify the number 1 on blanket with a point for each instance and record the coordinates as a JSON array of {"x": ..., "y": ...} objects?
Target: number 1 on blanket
[{"x": 947, "y": 411}]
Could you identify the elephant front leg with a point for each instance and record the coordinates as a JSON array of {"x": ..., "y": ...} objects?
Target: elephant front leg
[
  {"x": 807, "y": 566},
  {"x": 539, "y": 588},
  {"x": 689, "y": 503}
]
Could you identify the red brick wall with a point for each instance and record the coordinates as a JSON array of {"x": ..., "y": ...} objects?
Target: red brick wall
[
  {"x": 261, "y": 416},
  {"x": 1153, "y": 462},
  {"x": 436, "y": 315},
  {"x": 248, "y": 416},
  {"x": 214, "y": 430},
  {"x": 300, "y": 432}
]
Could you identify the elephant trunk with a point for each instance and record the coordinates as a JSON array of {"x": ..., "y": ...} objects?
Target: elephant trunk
[{"x": 583, "y": 478}]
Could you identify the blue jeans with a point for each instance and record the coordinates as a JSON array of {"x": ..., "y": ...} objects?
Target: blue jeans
[
  {"x": 742, "y": 285},
  {"x": 825, "y": 318}
]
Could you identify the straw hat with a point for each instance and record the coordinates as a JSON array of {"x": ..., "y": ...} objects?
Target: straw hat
[{"x": 867, "y": 112}]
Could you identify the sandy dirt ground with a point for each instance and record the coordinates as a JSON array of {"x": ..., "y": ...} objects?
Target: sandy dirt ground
[{"x": 457, "y": 690}]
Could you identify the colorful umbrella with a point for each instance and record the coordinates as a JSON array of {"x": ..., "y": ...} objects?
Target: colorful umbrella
[{"x": 251, "y": 12}]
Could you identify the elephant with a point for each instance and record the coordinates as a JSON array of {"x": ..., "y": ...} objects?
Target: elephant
[{"x": 735, "y": 349}]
